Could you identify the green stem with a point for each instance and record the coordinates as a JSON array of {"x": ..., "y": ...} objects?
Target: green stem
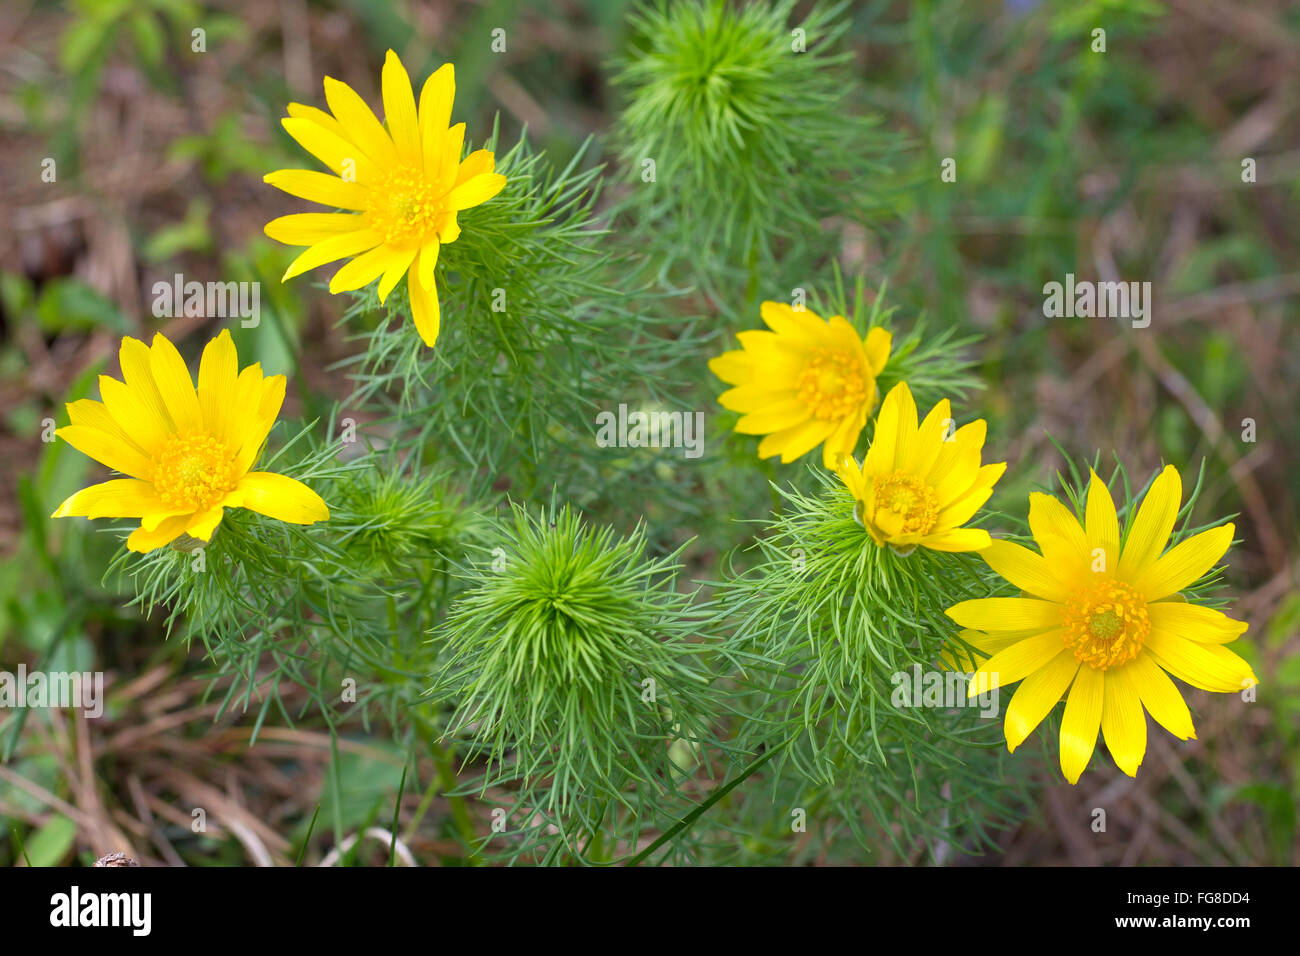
[
  {"x": 686, "y": 822},
  {"x": 447, "y": 780}
]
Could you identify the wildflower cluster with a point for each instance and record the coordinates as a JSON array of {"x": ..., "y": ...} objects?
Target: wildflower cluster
[{"x": 519, "y": 601}]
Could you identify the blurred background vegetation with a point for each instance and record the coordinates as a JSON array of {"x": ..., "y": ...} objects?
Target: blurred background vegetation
[{"x": 1123, "y": 164}]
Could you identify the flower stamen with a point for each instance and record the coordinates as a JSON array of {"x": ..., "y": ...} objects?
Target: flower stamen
[
  {"x": 194, "y": 472},
  {"x": 904, "y": 504},
  {"x": 833, "y": 384},
  {"x": 1105, "y": 624},
  {"x": 407, "y": 209}
]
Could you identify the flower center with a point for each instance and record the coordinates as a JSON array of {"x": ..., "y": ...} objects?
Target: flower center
[
  {"x": 832, "y": 384},
  {"x": 1105, "y": 624},
  {"x": 406, "y": 207},
  {"x": 905, "y": 505},
  {"x": 194, "y": 472}
]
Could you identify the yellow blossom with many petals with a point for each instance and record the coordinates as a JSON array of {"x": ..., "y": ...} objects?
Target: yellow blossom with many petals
[
  {"x": 186, "y": 451},
  {"x": 1103, "y": 624},
  {"x": 403, "y": 183},
  {"x": 805, "y": 383},
  {"x": 920, "y": 483}
]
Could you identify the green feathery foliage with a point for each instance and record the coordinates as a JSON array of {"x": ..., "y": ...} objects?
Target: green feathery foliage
[
  {"x": 586, "y": 699},
  {"x": 544, "y": 322},
  {"x": 837, "y": 620},
  {"x": 574, "y": 660},
  {"x": 740, "y": 137}
]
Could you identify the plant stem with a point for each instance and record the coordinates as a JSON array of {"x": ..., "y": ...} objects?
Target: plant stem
[{"x": 686, "y": 822}]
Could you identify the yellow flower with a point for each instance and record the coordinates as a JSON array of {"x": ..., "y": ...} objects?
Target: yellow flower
[
  {"x": 187, "y": 451},
  {"x": 808, "y": 382},
  {"x": 403, "y": 183},
  {"x": 918, "y": 485},
  {"x": 1104, "y": 623}
]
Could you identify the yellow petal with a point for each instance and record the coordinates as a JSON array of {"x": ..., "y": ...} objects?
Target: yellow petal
[
  {"x": 796, "y": 441},
  {"x": 321, "y": 119},
  {"x": 900, "y": 424},
  {"x": 474, "y": 191},
  {"x": 93, "y": 414},
  {"x": 169, "y": 530},
  {"x": 841, "y": 333},
  {"x": 1160, "y": 697},
  {"x": 204, "y": 523},
  {"x": 1185, "y": 563},
  {"x": 1060, "y": 538},
  {"x": 850, "y": 473},
  {"x": 1201, "y": 624},
  {"x": 436, "y": 98},
  {"x": 959, "y": 510},
  {"x": 396, "y": 269},
  {"x": 335, "y": 247},
  {"x": 340, "y": 156},
  {"x": 149, "y": 432},
  {"x": 1036, "y": 696},
  {"x": 272, "y": 397},
  {"x": 990, "y": 644},
  {"x": 1101, "y": 524},
  {"x": 448, "y": 165},
  {"x": 842, "y": 441},
  {"x": 151, "y": 520},
  {"x": 796, "y": 324},
  {"x": 957, "y": 539},
  {"x": 1123, "y": 723},
  {"x": 104, "y": 448},
  {"x": 318, "y": 187},
  {"x": 734, "y": 367},
  {"x": 878, "y": 344},
  {"x": 258, "y": 424},
  {"x": 331, "y": 125},
  {"x": 958, "y": 462},
  {"x": 1024, "y": 569},
  {"x": 425, "y": 311},
  {"x": 882, "y": 453},
  {"x": 475, "y": 164},
  {"x": 307, "y": 228},
  {"x": 369, "y": 266},
  {"x": 137, "y": 371},
  {"x": 1006, "y": 614},
  {"x": 428, "y": 260},
  {"x": 1081, "y": 722},
  {"x": 765, "y": 346},
  {"x": 244, "y": 410},
  {"x": 282, "y": 498},
  {"x": 450, "y": 230},
  {"x": 399, "y": 109},
  {"x": 754, "y": 398},
  {"x": 175, "y": 385},
  {"x": 929, "y": 440},
  {"x": 1152, "y": 525},
  {"x": 119, "y": 498},
  {"x": 986, "y": 645},
  {"x": 774, "y": 417},
  {"x": 1207, "y": 666},
  {"x": 218, "y": 376},
  {"x": 248, "y": 396},
  {"x": 1016, "y": 662},
  {"x": 362, "y": 127}
]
